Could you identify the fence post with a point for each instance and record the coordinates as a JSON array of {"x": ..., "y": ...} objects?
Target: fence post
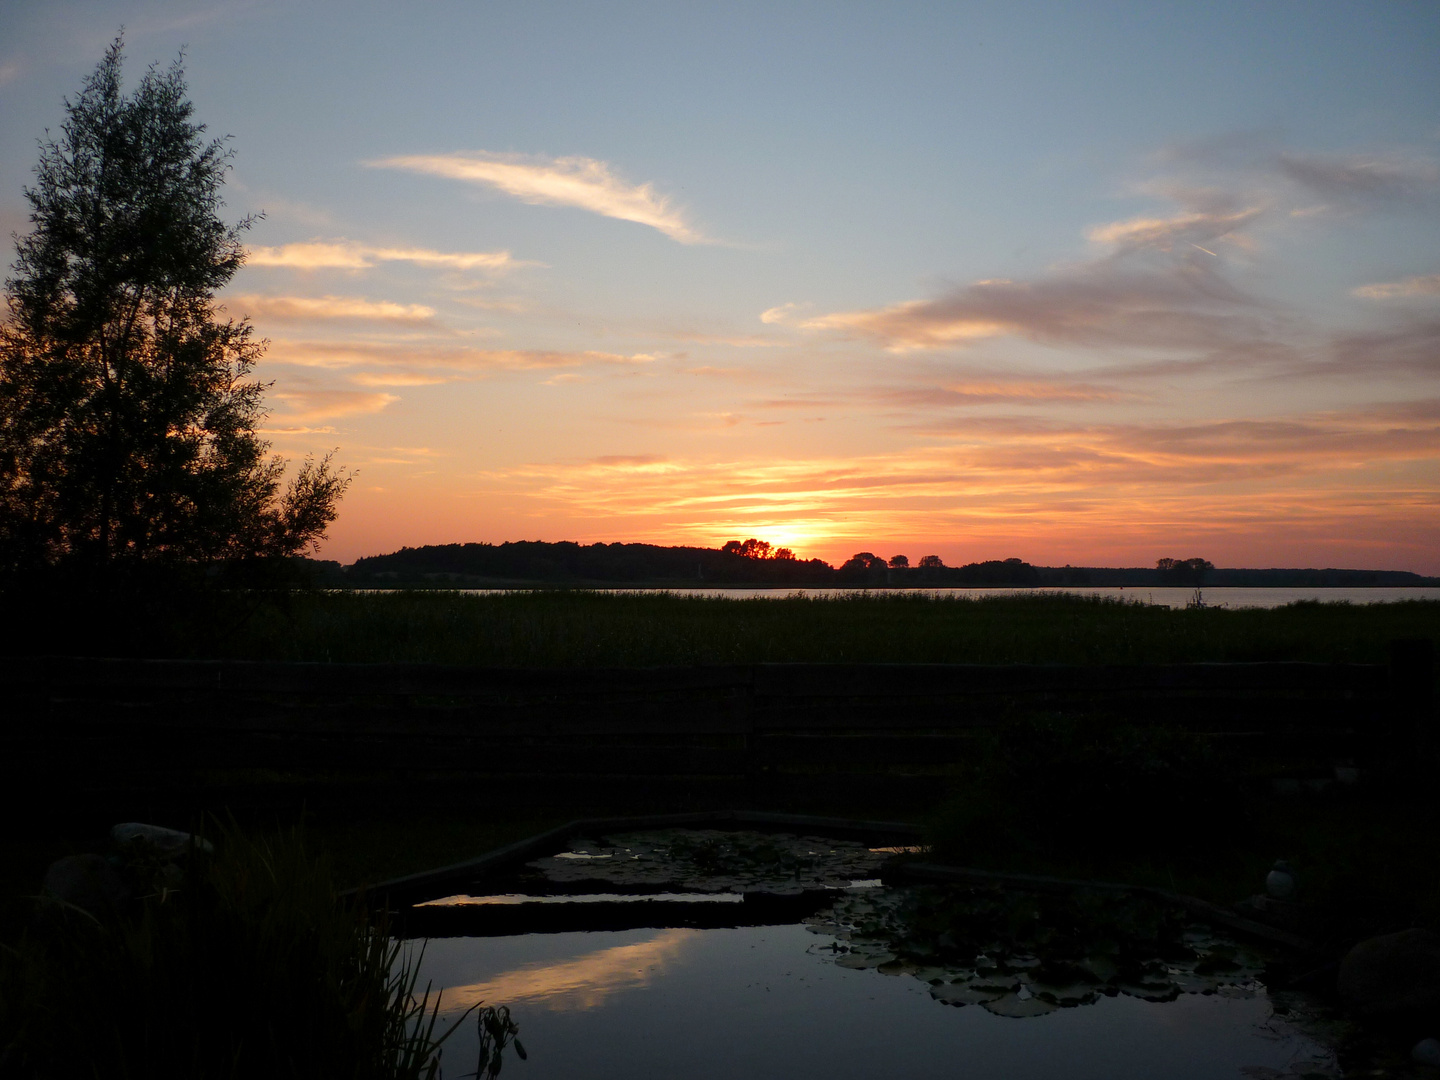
[
  {"x": 746, "y": 706},
  {"x": 1412, "y": 693}
]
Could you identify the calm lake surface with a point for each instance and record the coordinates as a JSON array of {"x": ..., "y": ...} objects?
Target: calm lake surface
[
  {"x": 761, "y": 1002},
  {"x": 1165, "y": 597}
]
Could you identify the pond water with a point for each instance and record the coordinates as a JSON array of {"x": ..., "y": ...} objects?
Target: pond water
[
  {"x": 876, "y": 980},
  {"x": 765, "y": 1002}
]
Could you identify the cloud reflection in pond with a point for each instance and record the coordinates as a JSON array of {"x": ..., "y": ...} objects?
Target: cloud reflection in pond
[{"x": 583, "y": 982}]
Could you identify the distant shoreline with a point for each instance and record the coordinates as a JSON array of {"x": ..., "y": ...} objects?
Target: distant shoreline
[
  {"x": 536, "y": 564},
  {"x": 690, "y": 586}
]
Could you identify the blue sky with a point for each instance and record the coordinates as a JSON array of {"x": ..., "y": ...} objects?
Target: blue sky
[{"x": 1073, "y": 282}]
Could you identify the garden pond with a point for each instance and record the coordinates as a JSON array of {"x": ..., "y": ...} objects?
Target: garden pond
[{"x": 702, "y": 953}]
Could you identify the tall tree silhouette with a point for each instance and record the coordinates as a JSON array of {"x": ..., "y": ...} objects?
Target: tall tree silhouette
[{"x": 128, "y": 413}]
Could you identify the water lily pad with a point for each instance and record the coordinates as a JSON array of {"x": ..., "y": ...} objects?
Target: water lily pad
[
  {"x": 1103, "y": 968},
  {"x": 1150, "y": 991},
  {"x": 964, "y": 994},
  {"x": 862, "y": 960},
  {"x": 1067, "y": 996},
  {"x": 896, "y": 967},
  {"x": 1019, "y": 1008},
  {"x": 710, "y": 860}
]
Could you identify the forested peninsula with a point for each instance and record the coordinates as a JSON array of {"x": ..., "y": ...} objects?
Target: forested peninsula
[{"x": 533, "y": 562}]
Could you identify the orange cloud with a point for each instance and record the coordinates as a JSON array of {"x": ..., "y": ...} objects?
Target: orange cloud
[
  {"x": 347, "y": 255},
  {"x": 911, "y": 325},
  {"x": 309, "y": 308},
  {"x": 1015, "y": 477},
  {"x": 396, "y": 378},
  {"x": 302, "y": 405}
]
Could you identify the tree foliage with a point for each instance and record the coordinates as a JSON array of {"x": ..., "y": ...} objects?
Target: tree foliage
[
  {"x": 128, "y": 414},
  {"x": 757, "y": 549},
  {"x": 1184, "y": 571},
  {"x": 864, "y": 560}
]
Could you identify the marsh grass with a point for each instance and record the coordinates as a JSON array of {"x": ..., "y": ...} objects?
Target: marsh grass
[
  {"x": 598, "y": 629},
  {"x": 251, "y": 967}
]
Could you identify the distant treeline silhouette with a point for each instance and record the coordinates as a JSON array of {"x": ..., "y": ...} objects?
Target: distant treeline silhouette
[{"x": 755, "y": 563}]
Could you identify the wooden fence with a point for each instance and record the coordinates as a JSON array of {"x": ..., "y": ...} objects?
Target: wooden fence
[{"x": 96, "y": 723}]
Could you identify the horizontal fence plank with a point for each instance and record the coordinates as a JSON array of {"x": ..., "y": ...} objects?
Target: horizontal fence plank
[
  {"x": 83, "y": 675},
  {"x": 151, "y": 718},
  {"x": 273, "y": 677}
]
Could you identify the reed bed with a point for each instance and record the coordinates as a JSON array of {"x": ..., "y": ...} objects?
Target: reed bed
[{"x": 598, "y": 629}]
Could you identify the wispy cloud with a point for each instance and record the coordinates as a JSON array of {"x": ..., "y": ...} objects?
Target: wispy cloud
[
  {"x": 915, "y": 324},
  {"x": 567, "y": 181},
  {"x": 1421, "y": 285},
  {"x": 407, "y": 356},
  {"x": 1357, "y": 179},
  {"x": 1182, "y": 303},
  {"x": 780, "y": 313},
  {"x": 633, "y": 462},
  {"x": 306, "y": 405},
  {"x": 1157, "y": 287},
  {"x": 348, "y": 255},
  {"x": 306, "y": 308},
  {"x": 397, "y": 378},
  {"x": 1411, "y": 348},
  {"x": 1195, "y": 227},
  {"x": 1292, "y": 181},
  {"x": 737, "y": 341},
  {"x": 1001, "y": 391}
]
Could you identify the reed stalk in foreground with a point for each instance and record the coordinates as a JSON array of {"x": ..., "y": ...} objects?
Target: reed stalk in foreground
[{"x": 250, "y": 968}]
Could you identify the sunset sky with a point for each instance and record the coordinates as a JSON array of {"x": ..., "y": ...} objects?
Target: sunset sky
[{"x": 1075, "y": 282}]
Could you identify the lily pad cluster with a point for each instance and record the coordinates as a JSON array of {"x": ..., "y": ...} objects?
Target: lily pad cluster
[
  {"x": 1021, "y": 954},
  {"x": 714, "y": 860}
]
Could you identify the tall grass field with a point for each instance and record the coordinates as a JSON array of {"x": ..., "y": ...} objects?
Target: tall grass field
[{"x": 597, "y": 629}]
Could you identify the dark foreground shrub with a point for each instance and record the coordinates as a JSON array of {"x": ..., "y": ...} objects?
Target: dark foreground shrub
[
  {"x": 250, "y": 968},
  {"x": 1087, "y": 786}
]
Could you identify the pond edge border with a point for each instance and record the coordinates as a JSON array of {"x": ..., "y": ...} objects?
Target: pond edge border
[{"x": 398, "y": 890}]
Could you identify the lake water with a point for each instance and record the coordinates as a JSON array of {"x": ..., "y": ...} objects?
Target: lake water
[
  {"x": 1165, "y": 597},
  {"x": 760, "y": 1002}
]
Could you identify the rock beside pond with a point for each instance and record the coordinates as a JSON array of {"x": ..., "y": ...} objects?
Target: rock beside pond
[
  {"x": 1280, "y": 882},
  {"x": 88, "y": 882},
  {"x": 1393, "y": 975},
  {"x": 170, "y": 843}
]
